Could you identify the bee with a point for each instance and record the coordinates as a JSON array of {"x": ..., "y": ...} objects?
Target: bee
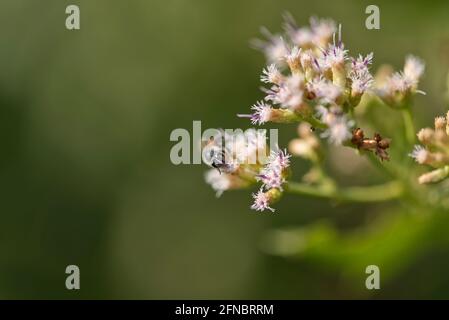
[{"x": 215, "y": 154}]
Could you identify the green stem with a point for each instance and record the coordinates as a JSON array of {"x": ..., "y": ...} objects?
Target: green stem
[
  {"x": 388, "y": 191},
  {"x": 314, "y": 122},
  {"x": 408, "y": 125}
]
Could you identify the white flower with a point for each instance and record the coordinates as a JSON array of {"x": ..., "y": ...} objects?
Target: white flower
[
  {"x": 301, "y": 37},
  {"x": 219, "y": 182},
  {"x": 293, "y": 58},
  {"x": 294, "y": 53},
  {"x": 322, "y": 113},
  {"x": 319, "y": 33},
  {"x": 361, "y": 64},
  {"x": 395, "y": 83},
  {"x": 324, "y": 90},
  {"x": 398, "y": 82},
  {"x": 271, "y": 74},
  {"x": 279, "y": 159},
  {"x": 413, "y": 69},
  {"x": 309, "y": 61},
  {"x": 261, "y": 201},
  {"x": 322, "y": 29},
  {"x": 360, "y": 76},
  {"x": 274, "y": 47},
  {"x": 272, "y": 174},
  {"x": 262, "y": 113},
  {"x": 271, "y": 94},
  {"x": 289, "y": 94},
  {"x": 334, "y": 55},
  {"x": 404, "y": 81},
  {"x": 419, "y": 154},
  {"x": 339, "y": 127},
  {"x": 361, "y": 82},
  {"x": 271, "y": 178},
  {"x": 307, "y": 58}
]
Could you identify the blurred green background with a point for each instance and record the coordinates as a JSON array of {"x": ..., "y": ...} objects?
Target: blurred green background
[{"x": 85, "y": 174}]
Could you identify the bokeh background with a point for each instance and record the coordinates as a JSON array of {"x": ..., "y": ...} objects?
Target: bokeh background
[{"x": 85, "y": 174}]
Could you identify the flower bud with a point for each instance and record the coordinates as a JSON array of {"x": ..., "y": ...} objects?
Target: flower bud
[
  {"x": 434, "y": 176},
  {"x": 440, "y": 123},
  {"x": 339, "y": 75},
  {"x": 426, "y": 136},
  {"x": 304, "y": 148},
  {"x": 294, "y": 61}
]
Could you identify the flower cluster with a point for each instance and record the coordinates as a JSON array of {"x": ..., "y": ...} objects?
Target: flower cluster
[
  {"x": 240, "y": 160},
  {"x": 434, "y": 151},
  {"x": 312, "y": 78},
  {"x": 273, "y": 175}
]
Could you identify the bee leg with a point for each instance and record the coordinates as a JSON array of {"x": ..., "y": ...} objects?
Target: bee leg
[{"x": 216, "y": 167}]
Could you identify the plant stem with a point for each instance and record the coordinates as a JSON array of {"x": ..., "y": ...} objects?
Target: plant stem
[
  {"x": 314, "y": 122},
  {"x": 384, "y": 192},
  {"x": 408, "y": 125}
]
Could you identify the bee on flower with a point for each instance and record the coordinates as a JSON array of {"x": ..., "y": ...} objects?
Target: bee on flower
[
  {"x": 312, "y": 79},
  {"x": 240, "y": 160}
]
